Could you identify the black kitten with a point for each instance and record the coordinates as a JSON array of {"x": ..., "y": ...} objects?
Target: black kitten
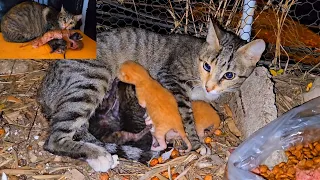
[{"x": 120, "y": 111}]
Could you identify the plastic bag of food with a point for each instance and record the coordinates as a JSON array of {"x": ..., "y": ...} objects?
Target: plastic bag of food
[{"x": 299, "y": 125}]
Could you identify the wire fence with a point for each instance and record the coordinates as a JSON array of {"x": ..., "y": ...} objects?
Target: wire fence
[{"x": 290, "y": 28}]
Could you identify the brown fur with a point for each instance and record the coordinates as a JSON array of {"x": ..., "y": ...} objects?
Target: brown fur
[
  {"x": 205, "y": 117},
  {"x": 160, "y": 103}
]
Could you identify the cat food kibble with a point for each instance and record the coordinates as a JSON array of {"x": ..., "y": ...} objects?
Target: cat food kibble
[
  {"x": 303, "y": 164},
  {"x": 218, "y": 132},
  {"x": 2, "y": 132},
  {"x": 208, "y": 177},
  {"x": 155, "y": 178},
  {"x": 154, "y": 162},
  {"x": 104, "y": 176},
  {"x": 174, "y": 154},
  {"x": 207, "y": 140}
]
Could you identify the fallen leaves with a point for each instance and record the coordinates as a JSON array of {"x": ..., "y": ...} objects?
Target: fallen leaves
[
  {"x": 13, "y": 99},
  {"x": 230, "y": 122}
]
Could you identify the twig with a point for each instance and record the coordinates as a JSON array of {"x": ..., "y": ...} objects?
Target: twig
[{"x": 34, "y": 119}]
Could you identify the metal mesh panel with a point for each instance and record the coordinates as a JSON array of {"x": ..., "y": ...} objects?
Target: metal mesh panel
[{"x": 290, "y": 28}]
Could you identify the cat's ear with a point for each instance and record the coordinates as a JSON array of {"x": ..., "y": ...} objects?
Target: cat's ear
[
  {"x": 77, "y": 17},
  {"x": 252, "y": 51},
  {"x": 214, "y": 34},
  {"x": 45, "y": 12},
  {"x": 62, "y": 9}
]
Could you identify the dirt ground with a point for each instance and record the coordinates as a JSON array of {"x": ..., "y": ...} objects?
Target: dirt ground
[{"x": 23, "y": 131}]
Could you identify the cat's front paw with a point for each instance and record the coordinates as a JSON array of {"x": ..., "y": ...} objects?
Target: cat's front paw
[{"x": 103, "y": 163}]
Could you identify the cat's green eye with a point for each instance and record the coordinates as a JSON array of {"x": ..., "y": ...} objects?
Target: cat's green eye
[{"x": 229, "y": 75}]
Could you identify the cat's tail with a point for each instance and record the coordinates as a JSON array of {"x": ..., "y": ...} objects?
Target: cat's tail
[{"x": 130, "y": 152}]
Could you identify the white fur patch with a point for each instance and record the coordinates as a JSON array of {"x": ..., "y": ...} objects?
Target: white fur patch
[
  {"x": 102, "y": 163},
  {"x": 199, "y": 93},
  {"x": 132, "y": 152}
]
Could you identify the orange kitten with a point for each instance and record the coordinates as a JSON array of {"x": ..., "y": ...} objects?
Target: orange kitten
[
  {"x": 160, "y": 104},
  {"x": 205, "y": 117}
]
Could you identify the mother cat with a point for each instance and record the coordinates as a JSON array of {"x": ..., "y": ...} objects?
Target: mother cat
[
  {"x": 72, "y": 90},
  {"x": 29, "y": 20}
]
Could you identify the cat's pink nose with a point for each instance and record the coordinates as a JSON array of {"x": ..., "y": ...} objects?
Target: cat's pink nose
[{"x": 207, "y": 89}]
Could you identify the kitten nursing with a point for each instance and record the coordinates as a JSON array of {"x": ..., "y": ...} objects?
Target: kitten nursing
[
  {"x": 160, "y": 104},
  {"x": 29, "y": 20},
  {"x": 72, "y": 90}
]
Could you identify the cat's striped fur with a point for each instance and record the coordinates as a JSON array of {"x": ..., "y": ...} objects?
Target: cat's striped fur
[
  {"x": 72, "y": 90},
  {"x": 29, "y": 20}
]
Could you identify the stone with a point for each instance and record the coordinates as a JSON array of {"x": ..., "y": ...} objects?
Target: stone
[
  {"x": 13, "y": 66},
  {"x": 254, "y": 106}
]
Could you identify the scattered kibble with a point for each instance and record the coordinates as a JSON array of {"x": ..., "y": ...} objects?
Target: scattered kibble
[
  {"x": 2, "y": 132},
  {"x": 174, "y": 154},
  {"x": 29, "y": 147},
  {"x": 218, "y": 132},
  {"x": 208, "y": 177},
  {"x": 207, "y": 140},
  {"x": 301, "y": 156},
  {"x": 174, "y": 176},
  {"x": 104, "y": 176},
  {"x": 155, "y": 178},
  {"x": 154, "y": 162},
  {"x": 160, "y": 160}
]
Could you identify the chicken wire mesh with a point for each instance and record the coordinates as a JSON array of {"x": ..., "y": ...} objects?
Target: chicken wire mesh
[{"x": 290, "y": 28}]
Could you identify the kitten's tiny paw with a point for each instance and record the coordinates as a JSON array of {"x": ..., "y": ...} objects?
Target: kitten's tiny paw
[
  {"x": 148, "y": 121},
  {"x": 115, "y": 161},
  {"x": 103, "y": 163}
]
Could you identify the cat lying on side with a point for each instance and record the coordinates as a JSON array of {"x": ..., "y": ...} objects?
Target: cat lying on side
[{"x": 29, "y": 20}]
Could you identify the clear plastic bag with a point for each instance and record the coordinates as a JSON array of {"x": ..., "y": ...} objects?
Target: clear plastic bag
[{"x": 301, "y": 124}]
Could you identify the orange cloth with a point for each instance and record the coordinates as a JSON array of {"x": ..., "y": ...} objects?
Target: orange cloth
[{"x": 10, "y": 50}]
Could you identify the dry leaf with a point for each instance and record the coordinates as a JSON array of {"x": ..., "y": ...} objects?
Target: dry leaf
[
  {"x": 13, "y": 99},
  {"x": 2, "y": 132},
  {"x": 74, "y": 174},
  {"x": 230, "y": 122},
  {"x": 232, "y": 127}
]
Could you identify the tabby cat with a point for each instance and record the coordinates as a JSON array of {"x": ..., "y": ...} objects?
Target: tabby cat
[
  {"x": 29, "y": 20},
  {"x": 73, "y": 89}
]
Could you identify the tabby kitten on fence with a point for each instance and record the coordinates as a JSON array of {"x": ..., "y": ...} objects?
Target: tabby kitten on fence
[
  {"x": 73, "y": 89},
  {"x": 29, "y": 20}
]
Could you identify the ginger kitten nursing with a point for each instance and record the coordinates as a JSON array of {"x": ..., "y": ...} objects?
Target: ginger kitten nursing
[
  {"x": 160, "y": 104},
  {"x": 205, "y": 117}
]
